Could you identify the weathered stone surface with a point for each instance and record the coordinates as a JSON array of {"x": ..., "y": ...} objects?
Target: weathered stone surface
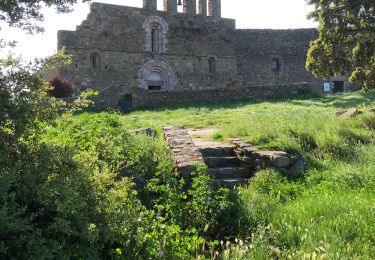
[
  {"x": 257, "y": 48},
  {"x": 298, "y": 167},
  {"x": 185, "y": 154},
  {"x": 117, "y": 46},
  {"x": 280, "y": 161},
  {"x": 349, "y": 113},
  {"x": 250, "y": 155},
  {"x": 221, "y": 161},
  {"x": 146, "y": 131},
  {"x": 120, "y": 37},
  {"x": 229, "y": 172},
  {"x": 216, "y": 151},
  {"x": 231, "y": 183}
]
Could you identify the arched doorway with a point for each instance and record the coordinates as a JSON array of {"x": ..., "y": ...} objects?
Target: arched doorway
[
  {"x": 155, "y": 81},
  {"x": 157, "y": 75}
]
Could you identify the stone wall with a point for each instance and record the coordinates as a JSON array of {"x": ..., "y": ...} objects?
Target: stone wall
[
  {"x": 257, "y": 50},
  {"x": 120, "y": 37},
  {"x": 146, "y": 99},
  {"x": 118, "y": 50},
  {"x": 185, "y": 154}
]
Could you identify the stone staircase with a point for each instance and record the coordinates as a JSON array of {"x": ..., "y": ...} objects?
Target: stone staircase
[
  {"x": 224, "y": 166},
  {"x": 230, "y": 164}
]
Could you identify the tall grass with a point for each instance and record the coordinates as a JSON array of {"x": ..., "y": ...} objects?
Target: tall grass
[{"x": 329, "y": 211}]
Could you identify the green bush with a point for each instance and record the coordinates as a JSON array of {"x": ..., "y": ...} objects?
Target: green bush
[{"x": 62, "y": 195}]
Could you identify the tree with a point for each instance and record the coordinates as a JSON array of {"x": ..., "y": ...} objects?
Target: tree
[
  {"x": 24, "y": 13},
  {"x": 346, "y": 43},
  {"x": 60, "y": 87}
]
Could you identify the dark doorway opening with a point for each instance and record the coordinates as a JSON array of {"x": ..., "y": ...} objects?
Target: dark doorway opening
[
  {"x": 154, "y": 87},
  {"x": 126, "y": 103},
  {"x": 338, "y": 86}
]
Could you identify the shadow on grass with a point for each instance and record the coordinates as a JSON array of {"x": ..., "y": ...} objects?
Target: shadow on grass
[
  {"x": 212, "y": 105},
  {"x": 342, "y": 100},
  {"x": 303, "y": 98}
]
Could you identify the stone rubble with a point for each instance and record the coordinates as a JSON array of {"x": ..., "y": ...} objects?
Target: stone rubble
[
  {"x": 253, "y": 156},
  {"x": 185, "y": 154},
  {"x": 229, "y": 164},
  {"x": 146, "y": 131},
  {"x": 349, "y": 113}
]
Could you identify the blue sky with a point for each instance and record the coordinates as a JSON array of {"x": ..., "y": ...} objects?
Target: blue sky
[{"x": 275, "y": 14}]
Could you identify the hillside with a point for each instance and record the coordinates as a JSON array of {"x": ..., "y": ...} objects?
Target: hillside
[{"x": 326, "y": 210}]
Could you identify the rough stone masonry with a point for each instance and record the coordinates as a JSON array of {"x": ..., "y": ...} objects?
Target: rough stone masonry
[{"x": 142, "y": 53}]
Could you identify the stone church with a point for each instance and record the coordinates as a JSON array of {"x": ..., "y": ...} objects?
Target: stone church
[{"x": 150, "y": 58}]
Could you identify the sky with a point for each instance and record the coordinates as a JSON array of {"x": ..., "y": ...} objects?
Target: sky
[{"x": 252, "y": 14}]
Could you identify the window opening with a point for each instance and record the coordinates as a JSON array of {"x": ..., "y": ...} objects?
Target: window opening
[
  {"x": 153, "y": 40},
  {"x": 276, "y": 65},
  {"x": 95, "y": 63},
  {"x": 211, "y": 65}
]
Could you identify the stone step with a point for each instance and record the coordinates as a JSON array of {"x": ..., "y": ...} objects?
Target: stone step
[
  {"x": 229, "y": 172},
  {"x": 231, "y": 183},
  {"x": 216, "y": 151},
  {"x": 222, "y": 161}
]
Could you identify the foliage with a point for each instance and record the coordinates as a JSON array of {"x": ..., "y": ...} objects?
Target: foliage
[
  {"x": 22, "y": 13},
  {"x": 85, "y": 186},
  {"x": 277, "y": 216},
  {"x": 65, "y": 206},
  {"x": 181, "y": 217},
  {"x": 60, "y": 87},
  {"x": 54, "y": 202},
  {"x": 346, "y": 42},
  {"x": 198, "y": 207}
]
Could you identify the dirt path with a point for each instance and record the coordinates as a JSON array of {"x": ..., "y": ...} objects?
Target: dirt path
[{"x": 202, "y": 137}]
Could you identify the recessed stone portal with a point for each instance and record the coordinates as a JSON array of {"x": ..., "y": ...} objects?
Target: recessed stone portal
[{"x": 157, "y": 75}]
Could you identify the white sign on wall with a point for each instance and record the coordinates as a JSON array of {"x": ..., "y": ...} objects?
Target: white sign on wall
[{"x": 327, "y": 87}]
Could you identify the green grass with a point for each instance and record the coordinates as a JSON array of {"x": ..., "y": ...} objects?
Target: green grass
[{"x": 329, "y": 210}]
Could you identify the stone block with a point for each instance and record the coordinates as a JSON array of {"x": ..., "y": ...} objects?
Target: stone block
[
  {"x": 280, "y": 161},
  {"x": 185, "y": 154},
  {"x": 146, "y": 131},
  {"x": 349, "y": 113}
]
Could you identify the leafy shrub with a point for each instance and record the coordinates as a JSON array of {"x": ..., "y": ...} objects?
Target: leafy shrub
[
  {"x": 199, "y": 207},
  {"x": 56, "y": 201},
  {"x": 60, "y": 87},
  {"x": 59, "y": 204},
  {"x": 181, "y": 217}
]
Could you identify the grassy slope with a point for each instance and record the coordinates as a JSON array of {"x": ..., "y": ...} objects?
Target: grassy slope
[{"x": 330, "y": 208}]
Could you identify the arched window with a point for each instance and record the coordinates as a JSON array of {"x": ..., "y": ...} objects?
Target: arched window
[
  {"x": 155, "y": 39},
  {"x": 95, "y": 61},
  {"x": 276, "y": 65},
  {"x": 212, "y": 65},
  {"x": 156, "y": 32}
]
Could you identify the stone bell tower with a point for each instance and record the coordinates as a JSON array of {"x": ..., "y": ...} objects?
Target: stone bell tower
[
  {"x": 202, "y": 7},
  {"x": 150, "y": 5},
  {"x": 214, "y": 8},
  {"x": 170, "y": 6},
  {"x": 190, "y": 7}
]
